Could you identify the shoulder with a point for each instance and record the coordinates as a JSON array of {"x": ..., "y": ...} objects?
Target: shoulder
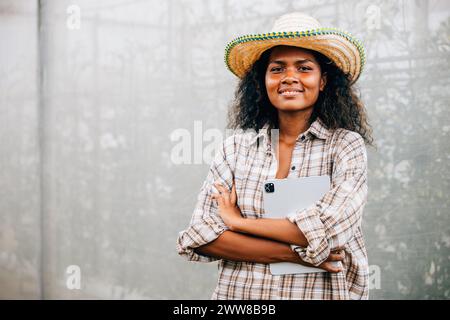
[
  {"x": 347, "y": 143},
  {"x": 342, "y": 135},
  {"x": 237, "y": 140},
  {"x": 231, "y": 149}
]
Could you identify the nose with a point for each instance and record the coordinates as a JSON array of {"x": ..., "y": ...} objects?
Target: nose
[{"x": 290, "y": 78}]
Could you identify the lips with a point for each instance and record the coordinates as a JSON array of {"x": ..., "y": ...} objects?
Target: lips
[{"x": 289, "y": 92}]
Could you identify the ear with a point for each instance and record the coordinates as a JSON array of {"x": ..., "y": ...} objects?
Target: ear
[{"x": 323, "y": 81}]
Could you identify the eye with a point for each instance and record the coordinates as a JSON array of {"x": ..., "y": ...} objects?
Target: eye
[
  {"x": 275, "y": 69},
  {"x": 304, "y": 68}
]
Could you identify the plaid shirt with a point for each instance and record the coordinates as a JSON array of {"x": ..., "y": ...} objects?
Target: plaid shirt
[{"x": 332, "y": 222}]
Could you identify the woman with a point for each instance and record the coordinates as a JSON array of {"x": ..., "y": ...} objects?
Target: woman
[{"x": 296, "y": 79}]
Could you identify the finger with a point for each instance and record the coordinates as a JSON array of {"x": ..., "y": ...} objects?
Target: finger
[
  {"x": 233, "y": 194},
  {"x": 214, "y": 197},
  {"x": 217, "y": 197},
  {"x": 336, "y": 256},
  {"x": 220, "y": 201},
  {"x": 330, "y": 267},
  {"x": 218, "y": 186},
  {"x": 221, "y": 188},
  {"x": 224, "y": 192}
]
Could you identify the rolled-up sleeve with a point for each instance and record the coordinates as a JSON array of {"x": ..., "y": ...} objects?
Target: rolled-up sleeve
[
  {"x": 206, "y": 224},
  {"x": 331, "y": 222}
]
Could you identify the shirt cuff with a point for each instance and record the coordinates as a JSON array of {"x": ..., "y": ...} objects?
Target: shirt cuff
[
  {"x": 311, "y": 226},
  {"x": 197, "y": 235}
]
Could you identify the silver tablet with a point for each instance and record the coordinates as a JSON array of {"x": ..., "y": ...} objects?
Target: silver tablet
[{"x": 287, "y": 196}]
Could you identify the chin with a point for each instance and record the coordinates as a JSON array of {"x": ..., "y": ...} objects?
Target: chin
[{"x": 292, "y": 107}]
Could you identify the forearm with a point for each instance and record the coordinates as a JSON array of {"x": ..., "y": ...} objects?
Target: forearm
[
  {"x": 234, "y": 246},
  {"x": 281, "y": 230}
]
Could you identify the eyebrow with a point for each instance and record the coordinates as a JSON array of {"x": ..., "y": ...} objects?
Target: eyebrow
[{"x": 296, "y": 62}]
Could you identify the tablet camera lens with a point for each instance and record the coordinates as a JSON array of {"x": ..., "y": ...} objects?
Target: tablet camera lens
[{"x": 269, "y": 187}]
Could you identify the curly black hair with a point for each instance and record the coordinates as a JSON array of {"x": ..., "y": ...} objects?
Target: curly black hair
[{"x": 338, "y": 105}]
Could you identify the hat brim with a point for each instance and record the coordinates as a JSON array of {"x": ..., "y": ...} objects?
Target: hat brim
[{"x": 343, "y": 49}]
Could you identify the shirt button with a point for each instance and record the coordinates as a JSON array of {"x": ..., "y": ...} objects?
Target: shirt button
[
  {"x": 293, "y": 168},
  {"x": 302, "y": 138}
]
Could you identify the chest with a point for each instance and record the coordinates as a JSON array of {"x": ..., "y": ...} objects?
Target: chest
[
  {"x": 255, "y": 166},
  {"x": 284, "y": 161}
]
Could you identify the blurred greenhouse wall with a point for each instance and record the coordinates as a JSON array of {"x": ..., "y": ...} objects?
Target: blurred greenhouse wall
[{"x": 93, "y": 96}]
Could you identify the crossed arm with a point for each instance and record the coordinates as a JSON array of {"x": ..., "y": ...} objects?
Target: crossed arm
[
  {"x": 235, "y": 246},
  {"x": 318, "y": 231},
  {"x": 257, "y": 240}
]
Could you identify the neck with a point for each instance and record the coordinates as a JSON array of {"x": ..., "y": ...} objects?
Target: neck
[{"x": 292, "y": 124}]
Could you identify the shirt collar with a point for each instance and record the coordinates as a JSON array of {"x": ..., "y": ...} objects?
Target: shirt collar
[{"x": 317, "y": 129}]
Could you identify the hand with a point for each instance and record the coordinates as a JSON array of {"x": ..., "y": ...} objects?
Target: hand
[
  {"x": 331, "y": 264},
  {"x": 228, "y": 210}
]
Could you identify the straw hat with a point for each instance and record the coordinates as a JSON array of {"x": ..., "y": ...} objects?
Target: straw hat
[{"x": 299, "y": 30}]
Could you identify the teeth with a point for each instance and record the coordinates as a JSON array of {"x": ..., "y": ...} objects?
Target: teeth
[{"x": 289, "y": 92}]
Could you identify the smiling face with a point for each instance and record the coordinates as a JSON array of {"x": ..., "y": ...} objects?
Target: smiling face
[{"x": 293, "y": 79}]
